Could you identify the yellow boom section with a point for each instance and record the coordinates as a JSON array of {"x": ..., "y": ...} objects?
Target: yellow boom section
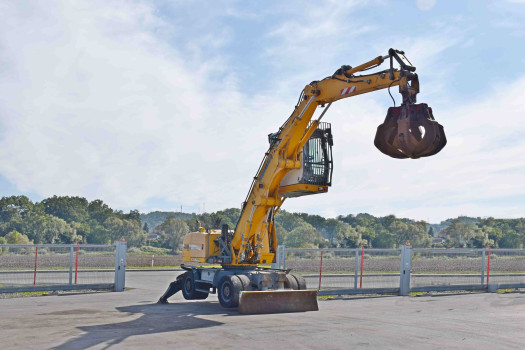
[{"x": 254, "y": 240}]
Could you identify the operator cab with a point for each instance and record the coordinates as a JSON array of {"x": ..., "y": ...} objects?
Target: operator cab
[{"x": 315, "y": 174}]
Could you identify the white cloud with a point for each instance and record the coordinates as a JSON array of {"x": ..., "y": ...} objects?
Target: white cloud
[
  {"x": 96, "y": 104},
  {"x": 99, "y": 100},
  {"x": 425, "y": 5}
]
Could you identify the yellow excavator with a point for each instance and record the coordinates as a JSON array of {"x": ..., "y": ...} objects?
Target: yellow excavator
[{"x": 299, "y": 163}]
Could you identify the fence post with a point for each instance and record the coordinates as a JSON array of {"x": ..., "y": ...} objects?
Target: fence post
[
  {"x": 320, "y": 270},
  {"x": 76, "y": 263},
  {"x": 356, "y": 268},
  {"x": 71, "y": 253},
  {"x": 120, "y": 265},
  {"x": 283, "y": 256},
  {"x": 404, "y": 273},
  {"x": 279, "y": 258},
  {"x": 483, "y": 267},
  {"x": 362, "y": 263},
  {"x": 36, "y": 257},
  {"x": 488, "y": 268}
]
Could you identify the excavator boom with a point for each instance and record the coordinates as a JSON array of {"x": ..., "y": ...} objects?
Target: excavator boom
[{"x": 299, "y": 163}]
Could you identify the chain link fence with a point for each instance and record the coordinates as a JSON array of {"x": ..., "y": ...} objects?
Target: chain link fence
[
  {"x": 60, "y": 266},
  {"x": 330, "y": 269},
  {"x": 152, "y": 260},
  {"x": 357, "y": 271},
  {"x": 467, "y": 267}
]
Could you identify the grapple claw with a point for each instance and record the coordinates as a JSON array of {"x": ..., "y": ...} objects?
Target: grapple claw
[{"x": 410, "y": 131}]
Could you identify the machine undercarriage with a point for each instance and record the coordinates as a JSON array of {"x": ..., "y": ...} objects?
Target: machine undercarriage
[{"x": 249, "y": 284}]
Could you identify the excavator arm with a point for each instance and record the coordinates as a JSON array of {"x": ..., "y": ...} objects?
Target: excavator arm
[
  {"x": 298, "y": 163},
  {"x": 401, "y": 136}
]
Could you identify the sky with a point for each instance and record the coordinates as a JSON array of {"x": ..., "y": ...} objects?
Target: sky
[{"x": 163, "y": 105}]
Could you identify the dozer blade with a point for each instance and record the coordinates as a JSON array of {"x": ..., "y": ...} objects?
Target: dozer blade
[
  {"x": 275, "y": 301},
  {"x": 410, "y": 131}
]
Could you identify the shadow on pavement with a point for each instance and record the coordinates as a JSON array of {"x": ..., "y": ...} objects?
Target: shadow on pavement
[{"x": 154, "y": 318}]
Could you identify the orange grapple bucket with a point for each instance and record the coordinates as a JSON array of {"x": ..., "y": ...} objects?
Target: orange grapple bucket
[{"x": 410, "y": 131}]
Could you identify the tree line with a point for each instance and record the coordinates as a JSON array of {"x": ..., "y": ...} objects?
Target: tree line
[
  {"x": 365, "y": 230},
  {"x": 65, "y": 219}
]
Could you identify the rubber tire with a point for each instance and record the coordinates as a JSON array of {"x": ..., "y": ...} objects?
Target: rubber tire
[
  {"x": 229, "y": 290},
  {"x": 246, "y": 283},
  {"x": 188, "y": 288},
  {"x": 200, "y": 295},
  {"x": 291, "y": 282},
  {"x": 301, "y": 283}
]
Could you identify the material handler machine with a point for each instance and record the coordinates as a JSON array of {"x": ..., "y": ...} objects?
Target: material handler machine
[{"x": 299, "y": 163}]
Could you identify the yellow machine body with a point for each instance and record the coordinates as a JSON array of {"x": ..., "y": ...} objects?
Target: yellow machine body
[{"x": 199, "y": 246}]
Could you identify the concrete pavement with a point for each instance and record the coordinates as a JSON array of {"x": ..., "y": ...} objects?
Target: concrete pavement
[{"x": 131, "y": 319}]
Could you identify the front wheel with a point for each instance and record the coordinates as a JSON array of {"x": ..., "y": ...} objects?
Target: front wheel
[
  {"x": 301, "y": 283},
  {"x": 229, "y": 290}
]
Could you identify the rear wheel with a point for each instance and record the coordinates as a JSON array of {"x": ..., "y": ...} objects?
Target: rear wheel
[
  {"x": 301, "y": 283},
  {"x": 188, "y": 288},
  {"x": 229, "y": 290}
]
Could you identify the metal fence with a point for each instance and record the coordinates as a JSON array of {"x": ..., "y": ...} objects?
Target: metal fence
[
  {"x": 400, "y": 271},
  {"x": 473, "y": 269},
  {"x": 45, "y": 267}
]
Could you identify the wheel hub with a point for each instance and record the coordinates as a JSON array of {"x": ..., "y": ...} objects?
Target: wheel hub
[{"x": 226, "y": 291}]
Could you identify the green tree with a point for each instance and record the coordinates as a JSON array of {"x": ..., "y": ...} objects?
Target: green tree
[
  {"x": 316, "y": 221},
  {"x": 481, "y": 240},
  {"x": 99, "y": 211},
  {"x": 70, "y": 209},
  {"x": 14, "y": 207},
  {"x": 116, "y": 228},
  {"x": 229, "y": 216},
  {"x": 173, "y": 231},
  {"x": 3, "y": 250},
  {"x": 134, "y": 235},
  {"x": 385, "y": 240},
  {"x": 511, "y": 239},
  {"x": 130, "y": 230},
  {"x": 281, "y": 233},
  {"x": 15, "y": 237},
  {"x": 95, "y": 233},
  {"x": 288, "y": 220},
  {"x": 13, "y": 211},
  {"x": 304, "y": 236},
  {"x": 43, "y": 228},
  {"x": 460, "y": 233}
]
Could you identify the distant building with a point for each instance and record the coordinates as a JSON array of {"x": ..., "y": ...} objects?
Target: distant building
[
  {"x": 437, "y": 240},
  {"x": 153, "y": 236}
]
